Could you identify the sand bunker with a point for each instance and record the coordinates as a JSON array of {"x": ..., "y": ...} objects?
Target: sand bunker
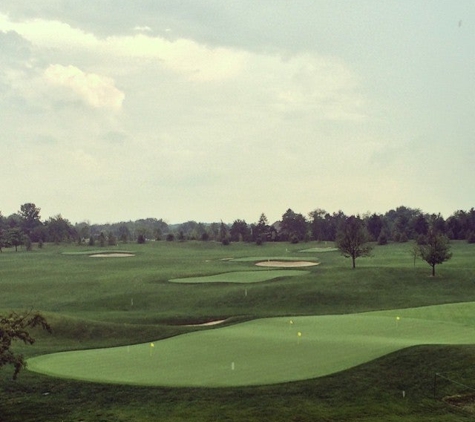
[
  {"x": 286, "y": 264},
  {"x": 111, "y": 255}
]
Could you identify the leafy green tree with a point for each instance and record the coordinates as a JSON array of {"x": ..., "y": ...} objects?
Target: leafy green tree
[
  {"x": 102, "y": 239},
  {"x": 213, "y": 231},
  {"x": 84, "y": 231},
  {"x": 260, "y": 231},
  {"x": 374, "y": 225},
  {"x": 3, "y": 228},
  {"x": 27, "y": 243},
  {"x": 239, "y": 231},
  {"x": 123, "y": 233},
  {"x": 60, "y": 229},
  {"x": 14, "y": 237},
  {"x": 421, "y": 226},
  {"x": 383, "y": 237},
  {"x": 352, "y": 239},
  {"x": 14, "y": 327},
  {"x": 223, "y": 234},
  {"x": 294, "y": 226},
  {"x": 30, "y": 220},
  {"x": 435, "y": 249},
  {"x": 437, "y": 223},
  {"x": 111, "y": 239},
  {"x": 317, "y": 224}
]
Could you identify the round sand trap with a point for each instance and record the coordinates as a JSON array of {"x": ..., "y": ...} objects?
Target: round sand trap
[
  {"x": 111, "y": 255},
  {"x": 286, "y": 264}
]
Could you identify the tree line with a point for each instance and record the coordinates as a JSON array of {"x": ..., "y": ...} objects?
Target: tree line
[{"x": 402, "y": 224}]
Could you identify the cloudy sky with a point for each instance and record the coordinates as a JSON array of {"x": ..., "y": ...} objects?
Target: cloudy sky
[{"x": 213, "y": 110}]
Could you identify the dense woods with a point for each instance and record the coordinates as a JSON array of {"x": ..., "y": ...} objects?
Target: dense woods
[{"x": 402, "y": 224}]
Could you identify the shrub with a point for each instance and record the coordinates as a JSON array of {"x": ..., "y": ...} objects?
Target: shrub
[{"x": 294, "y": 239}]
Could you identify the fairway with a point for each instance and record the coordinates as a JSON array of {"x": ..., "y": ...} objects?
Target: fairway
[
  {"x": 266, "y": 351},
  {"x": 241, "y": 277}
]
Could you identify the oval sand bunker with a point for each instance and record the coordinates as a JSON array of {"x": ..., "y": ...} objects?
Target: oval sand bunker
[
  {"x": 111, "y": 255},
  {"x": 286, "y": 264}
]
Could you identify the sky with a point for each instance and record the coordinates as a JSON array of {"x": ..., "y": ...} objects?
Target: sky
[{"x": 210, "y": 110}]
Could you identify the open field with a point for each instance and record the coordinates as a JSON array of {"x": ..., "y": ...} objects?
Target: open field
[{"x": 95, "y": 303}]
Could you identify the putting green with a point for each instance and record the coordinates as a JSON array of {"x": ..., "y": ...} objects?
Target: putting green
[
  {"x": 241, "y": 277},
  {"x": 266, "y": 351}
]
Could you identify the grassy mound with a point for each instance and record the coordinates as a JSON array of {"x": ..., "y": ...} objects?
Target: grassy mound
[
  {"x": 266, "y": 351},
  {"x": 241, "y": 277}
]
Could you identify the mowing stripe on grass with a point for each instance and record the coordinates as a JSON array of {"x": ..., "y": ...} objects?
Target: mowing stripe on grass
[
  {"x": 241, "y": 276},
  {"x": 319, "y": 250},
  {"x": 97, "y": 251},
  {"x": 264, "y": 351}
]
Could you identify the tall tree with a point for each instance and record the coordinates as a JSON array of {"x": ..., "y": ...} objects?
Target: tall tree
[
  {"x": 420, "y": 225},
  {"x": 239, "y": 231},
  {"x": 60, "y": 229},
  {"x": 352, "y": 239},
  {"x": 30, "y": 220},
  {"x": 435, "y": 249},
  {"x": 294, "y": 226},
  {"x": 224, "y": 234},
  {"x": 261, "y": 229},
  {"x": 374, "y": 224},
  {"x": 317, "y": 224}
]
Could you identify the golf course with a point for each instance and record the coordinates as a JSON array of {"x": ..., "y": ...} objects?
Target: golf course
[{"x": 199, "y": 331}]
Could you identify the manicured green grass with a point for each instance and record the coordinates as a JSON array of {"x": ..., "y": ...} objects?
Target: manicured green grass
[
  {"x": 266, "y": 351},
  {"x": 241, "y": 277},
  {"x": 94, "y": 303},
  {"x": 319, "y": 249},
  {"x": 98, "y": 251},
  {"x": 273, "y": 258}
]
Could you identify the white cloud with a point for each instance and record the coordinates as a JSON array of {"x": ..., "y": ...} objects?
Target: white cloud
[{"x": 96, "y": 90}]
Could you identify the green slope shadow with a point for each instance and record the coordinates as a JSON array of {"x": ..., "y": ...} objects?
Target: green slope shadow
[{"x": 265, "y": 351}]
